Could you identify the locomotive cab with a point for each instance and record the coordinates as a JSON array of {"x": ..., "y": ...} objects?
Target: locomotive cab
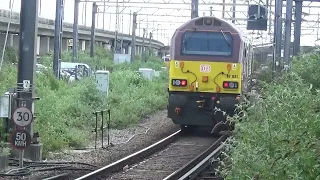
[{"x": 207, "y": 71}]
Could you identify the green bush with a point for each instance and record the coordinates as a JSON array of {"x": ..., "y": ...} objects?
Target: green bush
[
  {"x": 64, "y": 111},
  {"x": 280, "y": 137}
]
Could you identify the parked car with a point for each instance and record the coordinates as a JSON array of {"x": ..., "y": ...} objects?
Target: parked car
[{"x": 76, "y": 70}]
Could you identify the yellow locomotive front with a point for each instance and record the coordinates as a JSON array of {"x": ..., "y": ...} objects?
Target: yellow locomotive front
[
  {"x": 208, "y": 58},
  {"x": 206, "y": 77}
]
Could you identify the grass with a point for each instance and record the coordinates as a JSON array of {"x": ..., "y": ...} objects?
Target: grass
[
  {"x": 64, "y": 112},
  {"x": 280, "y": 137}
]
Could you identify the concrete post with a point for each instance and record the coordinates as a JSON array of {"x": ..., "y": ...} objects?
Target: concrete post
[
  {"x": 44, "y": 45},
  {"x": 51, "y": 44},
  {"x": 82, "y": 45},
  {"x": 38, "y": 45},
  {"x": 16, "y": 41},
  {"x": 129, "y": 50},
  {"x": 87, "y": 43},
  {"x": 64, "y": 46},
  {"x": 10, "y": 39}
]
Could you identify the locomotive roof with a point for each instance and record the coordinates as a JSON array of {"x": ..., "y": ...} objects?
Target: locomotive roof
[{"x": 224, "y": 24}]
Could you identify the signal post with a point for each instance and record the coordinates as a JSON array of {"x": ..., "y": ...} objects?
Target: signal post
[{"x": 22, "y": 138}]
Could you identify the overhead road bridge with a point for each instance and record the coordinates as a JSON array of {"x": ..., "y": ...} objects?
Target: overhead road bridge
[{"x": 45, "y": 41}]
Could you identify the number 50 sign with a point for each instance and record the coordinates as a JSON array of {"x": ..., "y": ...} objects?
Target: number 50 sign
[{"x": 22, "y": 116}]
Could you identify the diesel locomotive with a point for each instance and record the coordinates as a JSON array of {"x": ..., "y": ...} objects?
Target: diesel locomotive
[{"x": 210, "y": 68}]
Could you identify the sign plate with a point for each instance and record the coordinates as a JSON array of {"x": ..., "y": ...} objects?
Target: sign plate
[
  {"x": 234, "y": 66},
  {"x": 176, "y": 64},
  {"x": 20, "y": 139},
  {"x": 22, "y": 116},
  {"x": 205, "y": 68},
  {"x": 26, "y": 85}
]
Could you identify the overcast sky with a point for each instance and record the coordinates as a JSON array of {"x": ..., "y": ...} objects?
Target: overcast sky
[{"x": 163, "y": 24}]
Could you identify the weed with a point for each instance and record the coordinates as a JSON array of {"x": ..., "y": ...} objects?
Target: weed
[
  {"x": 64, "y": 112},
  {"x": 279, "y": 139}
]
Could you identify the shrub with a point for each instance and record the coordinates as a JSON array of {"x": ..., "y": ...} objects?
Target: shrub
[
  {"x": 279, "y": 139},
  {"x": 64, "y": 111}
]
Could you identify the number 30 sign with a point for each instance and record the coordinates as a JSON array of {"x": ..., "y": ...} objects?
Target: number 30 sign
[{"x": 22, "y": 116}]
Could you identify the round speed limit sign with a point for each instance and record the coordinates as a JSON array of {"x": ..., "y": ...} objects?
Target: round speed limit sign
[{"x": 22, "y": 116}]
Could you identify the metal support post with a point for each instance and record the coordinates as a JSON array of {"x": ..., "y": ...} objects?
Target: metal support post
[
  {"x": 318, "y": 26},
  {"x": 61, "y": 33},
  {"x": 278, "y": 28},
  {"x": 143, "y": 36},
  {"x": 116, "y": 28},
  {"x": 104, "y": 13},
  {"x": 93, "y": 27},
  {"x": 57, "y": 38},
  {"x": 130, "y": 22},
  {"x": 75, "y": 31},
  {"x": 122, "y": 31},
  {"x": 287, "y": 38},
  {"x": 133, "y": 42},
  {"x": 85, "y": 12},
  {"x": 269, "y": 7},
  {"x": 211, "y": 11},
  {"x": 223, "y": 8},
  {"x": 233, "y": 11},
  {"x": 150, "y": 37},
  {"x": 27, "y": 54},
  {"x": 297, "y": 27},
  {"x": 194, "y": 8}
]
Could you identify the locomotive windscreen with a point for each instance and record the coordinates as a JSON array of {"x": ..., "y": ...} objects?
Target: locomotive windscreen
[{"x": 207, "y": 43}]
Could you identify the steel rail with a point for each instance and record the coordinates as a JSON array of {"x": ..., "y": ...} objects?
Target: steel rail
[
  {"x": 118, "y": 165},
  {"x": 64, "y": 176},
  {"x": 195, "y": 171},
  {"x": 198, "y": 162}
]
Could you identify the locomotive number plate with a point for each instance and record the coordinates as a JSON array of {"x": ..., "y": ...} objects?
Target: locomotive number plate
[{"x": 205, "y": 68}]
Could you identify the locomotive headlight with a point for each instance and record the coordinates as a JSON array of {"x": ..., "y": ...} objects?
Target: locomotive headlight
[
  {"x": 208, "y": 21},
  {"x": 179, "y": 82},
  {"x": 231, "y": 84}
]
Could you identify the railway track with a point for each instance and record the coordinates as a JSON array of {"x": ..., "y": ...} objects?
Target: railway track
[{"x": 175, "y": 157}]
